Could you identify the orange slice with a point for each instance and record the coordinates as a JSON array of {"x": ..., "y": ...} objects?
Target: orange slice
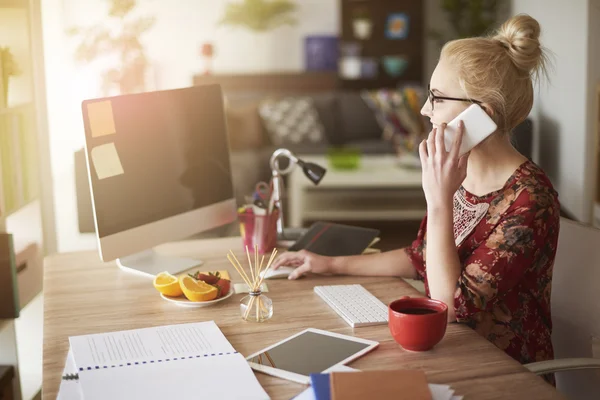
[
  {"x": 197, "y": 290},
  {"x": 167, "y": 284}
]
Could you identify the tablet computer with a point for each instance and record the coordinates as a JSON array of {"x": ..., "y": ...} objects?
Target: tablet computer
[{"x": 309, "y": 351}]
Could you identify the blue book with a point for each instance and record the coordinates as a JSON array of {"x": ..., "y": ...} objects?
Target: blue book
[{"x": 320, "y": 384}]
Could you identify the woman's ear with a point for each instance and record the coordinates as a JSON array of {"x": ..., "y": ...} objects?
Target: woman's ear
[{"x": 488, "y": 109}]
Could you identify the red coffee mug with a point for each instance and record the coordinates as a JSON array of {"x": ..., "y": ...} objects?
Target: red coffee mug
[{"x": 417, "y": 324}]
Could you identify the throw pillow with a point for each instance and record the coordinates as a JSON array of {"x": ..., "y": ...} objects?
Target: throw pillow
[
  {"x": 244, "y": 126},
  {"x": 292, "y": 120}
]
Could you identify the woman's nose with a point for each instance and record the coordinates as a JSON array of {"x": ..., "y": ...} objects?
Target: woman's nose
[{"x": 426, "y": 109}]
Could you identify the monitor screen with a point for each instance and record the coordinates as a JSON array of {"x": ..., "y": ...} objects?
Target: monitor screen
[{"x": 156, "y": 155}]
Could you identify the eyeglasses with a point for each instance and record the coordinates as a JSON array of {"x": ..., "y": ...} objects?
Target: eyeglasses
[{"x": 433, "y": 98}]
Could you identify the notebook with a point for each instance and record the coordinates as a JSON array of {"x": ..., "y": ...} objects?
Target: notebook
[
  {"x": 320, "y": 385},
  {"x": 438, "y": 392},
  {"x": 175, "y": 361},
  {"x": 381, "y": 385},
  {"x": 330, "y": 239}
]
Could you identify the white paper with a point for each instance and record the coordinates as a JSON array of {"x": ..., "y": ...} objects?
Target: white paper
[
  {"x": 70, "y": 389},
  {"x": 219, "y": 377},
  {"x": 440, "y": 392},
  {"x": 148, "y": 344},
  {"x": 176, "y": 361},
  {"x": 106, "y": 161}
]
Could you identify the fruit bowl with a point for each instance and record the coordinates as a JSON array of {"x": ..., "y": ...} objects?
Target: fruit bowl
[{"x": 183, "y": 302}]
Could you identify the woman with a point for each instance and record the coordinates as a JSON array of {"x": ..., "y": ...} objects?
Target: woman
[{"x": 487, "y": 245}]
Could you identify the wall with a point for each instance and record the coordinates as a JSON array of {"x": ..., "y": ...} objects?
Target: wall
[
  {"x": 562, "y": 105},
  {"x": 14, "y": 35},
  {"x": 593, "y": 108}
]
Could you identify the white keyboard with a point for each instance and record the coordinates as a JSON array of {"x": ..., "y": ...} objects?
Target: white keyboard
[{"x": 354, "y": 304}]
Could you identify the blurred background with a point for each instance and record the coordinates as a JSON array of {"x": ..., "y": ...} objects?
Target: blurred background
[{"x": 351, "y": 60}]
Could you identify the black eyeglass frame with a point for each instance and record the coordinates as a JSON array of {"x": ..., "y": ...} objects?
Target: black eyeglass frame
[{"x": 432, "y": 97}]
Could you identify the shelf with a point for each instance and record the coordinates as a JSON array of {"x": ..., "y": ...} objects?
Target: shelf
[
  {"x": 15, "y": 108},
  {"x": 29, "y": 332},
  {"x": 14, "y": 4},
  {"x": 282, "y": 82},
  {"x": 364, "y": 215}
]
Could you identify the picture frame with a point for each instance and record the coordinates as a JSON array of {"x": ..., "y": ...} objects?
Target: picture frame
[{"x": 397, "y": 26}]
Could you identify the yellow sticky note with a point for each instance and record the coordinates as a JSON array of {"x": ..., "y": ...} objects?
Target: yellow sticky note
[
  {"x": 101, "y": 118},
  {"x": 106, "y": 161}
]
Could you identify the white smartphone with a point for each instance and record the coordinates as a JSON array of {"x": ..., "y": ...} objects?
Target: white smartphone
[{"x": 478, "y": 126}]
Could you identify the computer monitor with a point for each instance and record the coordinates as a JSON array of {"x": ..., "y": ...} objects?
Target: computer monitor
[{"x": 159, "y": 170}]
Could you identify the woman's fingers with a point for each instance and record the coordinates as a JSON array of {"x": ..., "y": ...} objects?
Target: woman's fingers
[
  {"x": 439, "y": 140},
  {"x": 431, "y": 143},
  {"x": 423, "y": 153},
  {"x": 298, "y": 272},
  {"x": 458, "y": 140},
  {"x": 286, "y": 259}
]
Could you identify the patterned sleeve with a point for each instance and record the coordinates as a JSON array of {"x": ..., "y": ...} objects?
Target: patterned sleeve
[
  {"x": 517, "y": 243},
  {"x": 416, "y": 253}
]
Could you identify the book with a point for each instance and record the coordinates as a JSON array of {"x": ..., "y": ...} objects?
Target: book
[
  {"x": 320, "y": 385},
  {"x": 174, "y": 361},
  {"x": 381, "y": 385},
  {"x": 438, "y": 392},
  {"x": 330, "y": 239}
]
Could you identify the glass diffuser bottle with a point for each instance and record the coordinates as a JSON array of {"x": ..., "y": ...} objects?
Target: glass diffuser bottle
[{"x": 256, "y": 307}]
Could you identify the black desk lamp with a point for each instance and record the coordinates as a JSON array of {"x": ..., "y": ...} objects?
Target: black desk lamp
[{"x": 313, "y": 172}]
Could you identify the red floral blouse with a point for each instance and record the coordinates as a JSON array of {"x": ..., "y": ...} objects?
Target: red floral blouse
[{"x": 503, "y": 292}]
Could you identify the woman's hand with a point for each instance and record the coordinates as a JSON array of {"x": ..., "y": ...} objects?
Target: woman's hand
[
  {"x": 443, "y": 171},
  {"x": 305, "y": 261}
]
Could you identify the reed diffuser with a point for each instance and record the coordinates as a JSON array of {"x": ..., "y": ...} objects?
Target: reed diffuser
[{"x": 256, "y": 306}]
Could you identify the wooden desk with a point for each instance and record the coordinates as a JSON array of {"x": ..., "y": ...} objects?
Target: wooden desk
[{"x": 83, "y": 296}]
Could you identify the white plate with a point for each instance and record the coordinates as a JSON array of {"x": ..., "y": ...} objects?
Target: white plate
[{"x": 183, "y": 302}]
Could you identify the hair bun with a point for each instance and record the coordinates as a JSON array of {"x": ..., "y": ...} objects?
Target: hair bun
[{"x": 520, "y": 36}]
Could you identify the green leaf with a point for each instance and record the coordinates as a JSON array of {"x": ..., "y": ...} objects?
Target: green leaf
[{"x": 259, "y": 15}]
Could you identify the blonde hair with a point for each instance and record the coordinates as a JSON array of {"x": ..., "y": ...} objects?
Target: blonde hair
[{"x": 499, "y": 70}]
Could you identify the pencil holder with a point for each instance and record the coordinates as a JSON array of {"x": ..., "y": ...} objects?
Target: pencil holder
[
  {"x": 256, "y": 307},
  {"x": 258, "y": 231}
]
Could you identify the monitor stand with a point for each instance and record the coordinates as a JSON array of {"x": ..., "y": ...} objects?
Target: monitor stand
[{"x": 149, "y": 263}]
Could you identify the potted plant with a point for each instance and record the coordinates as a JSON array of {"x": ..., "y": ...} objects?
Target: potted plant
[
  {"x": 100, "y": 42},
  {"x": 469, "y": 18},
  {"x": 207, "y": 51},
  {"x": 259, "y": 17},
  {"x": 8, "y": 68},
  {"x": 362, "y": 25}
]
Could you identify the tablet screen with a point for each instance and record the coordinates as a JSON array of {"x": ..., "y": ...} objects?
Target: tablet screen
[{"x": 309, "y": 352}]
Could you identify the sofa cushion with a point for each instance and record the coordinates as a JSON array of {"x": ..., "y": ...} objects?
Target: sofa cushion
[
  {"x": 373, "y": 146},
  {"x": 326, "y": 105},
  {"x": 244, "y": 126},
  {"x": 292, "y": 120},
  {"x": 356, "y": 121},
  {"x": 249, "y": 167}
]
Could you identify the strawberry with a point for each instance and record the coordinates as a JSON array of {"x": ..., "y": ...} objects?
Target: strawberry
[
  {"x": 211, "y": 278},
  {"x": 224, "y": 285}
]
